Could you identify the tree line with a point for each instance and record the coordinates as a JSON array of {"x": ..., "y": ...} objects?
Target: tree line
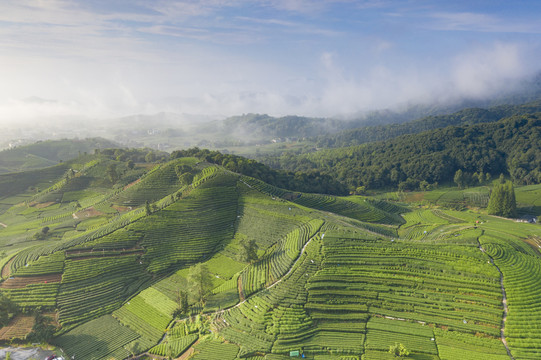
[{"x": 311, "y": 180}]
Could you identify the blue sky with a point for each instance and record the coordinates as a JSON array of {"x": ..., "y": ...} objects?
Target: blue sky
[{"x": 61, "y": 58}]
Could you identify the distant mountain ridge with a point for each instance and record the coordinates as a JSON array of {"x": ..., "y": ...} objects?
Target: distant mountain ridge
[{"x": 467, "y": 116}]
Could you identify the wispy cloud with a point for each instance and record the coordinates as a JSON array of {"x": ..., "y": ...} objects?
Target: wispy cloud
[
  {"x": 468, "y": 21},
  {"x": 290, "y": 26},
  {"x": 317, "y": 57}
]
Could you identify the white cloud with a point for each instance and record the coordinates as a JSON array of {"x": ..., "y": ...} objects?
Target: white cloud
[
  {"x": 190, "y": 57},
  {"x": 468, "y": 21},
  {"x": 486, "y": 71}
]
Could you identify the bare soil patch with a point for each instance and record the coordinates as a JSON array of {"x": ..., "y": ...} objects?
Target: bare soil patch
[
  {"x": 121, "y": 208},
  {"x": 21, "y": 281},
  {"x": 87, "y": 213},
  {"x": 43, "y": 205},
  {"x": 17, "y": 328}
]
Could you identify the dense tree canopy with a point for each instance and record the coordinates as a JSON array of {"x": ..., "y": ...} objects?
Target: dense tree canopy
[
  {"x": 311, "y": 180},
  {"x": 468, "y": 116},
  {"x": 510, "y": 146}
]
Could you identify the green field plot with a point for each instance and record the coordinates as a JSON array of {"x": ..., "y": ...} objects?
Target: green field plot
[
  {"x": 41, "y": 295},
  {"x": 174, "y": 346},
  {"x": 154, "y": 185},
  {"x": 148, "y": 314},
  {"x": 277, "y": 263},
  {"x": 459, "y": 345},
  {"x": 97, "y": 286},
  {"x": 529, "y": 199},
  {"x": 49, "y": 264},
  {"x": 356, "y": 208},
  {"x": 398, "y": 280},
  {"x": 211, "y": 350},
  {"x": 267, "y": 219},
  {"x": 17, "y": 183},
  {"x": 189, "y": 230},
  {"x": 383, "y": 333},
  {"x": 521, "y": 268},
  {"x": 102, "y": 338}
]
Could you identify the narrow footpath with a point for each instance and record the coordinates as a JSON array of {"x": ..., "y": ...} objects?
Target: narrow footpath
[{"x": 504, "y": 302}]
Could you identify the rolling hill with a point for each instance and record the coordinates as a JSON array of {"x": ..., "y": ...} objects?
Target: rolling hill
[
  {"x": 109, "y": 254},
  {"x": 44, "y": 154}
]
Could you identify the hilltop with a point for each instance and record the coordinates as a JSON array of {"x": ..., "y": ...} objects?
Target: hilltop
[{"x": 108, "y": 245}]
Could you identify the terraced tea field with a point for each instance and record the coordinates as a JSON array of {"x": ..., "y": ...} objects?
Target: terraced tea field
[{"x": 333, "y": 277}]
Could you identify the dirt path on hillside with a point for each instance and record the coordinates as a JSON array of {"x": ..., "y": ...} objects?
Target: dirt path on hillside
[
  {"x": 239, "y": 289},
  {"x": 504, "y": 301},
  {"x": 505, "y": 309},
  {"x": 6, "y": 270},
  {"x": 3, "y": 225}
]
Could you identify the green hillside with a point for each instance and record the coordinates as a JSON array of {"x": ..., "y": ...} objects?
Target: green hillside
[
  {"x": 184, "y": 256},
  {"x": 469, "y": 116},
  {"x": 511, "y": 146},
  {"x": 44, "y": 154}
]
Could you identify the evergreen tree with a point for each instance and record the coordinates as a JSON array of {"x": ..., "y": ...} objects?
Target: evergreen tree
[
  {"x": 481, "y": 177},
  {"x": 183, "y": 306},
  {"x": 502, "y": 200},
  {"x": 112, "y": 173}
]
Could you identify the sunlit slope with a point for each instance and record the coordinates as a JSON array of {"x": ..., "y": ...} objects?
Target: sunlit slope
[
  {"x": 358, "y": 209},
  {"x": 150, "y": 312},
  {"x": 114, "y": 260},
  {"x": 43, "y": 154},
  {"x": 355, "y": 293},
  {"x": 341, "y": 278}
]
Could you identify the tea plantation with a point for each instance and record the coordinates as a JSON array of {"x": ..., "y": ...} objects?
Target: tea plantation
[{"x": 136, "y": 260}]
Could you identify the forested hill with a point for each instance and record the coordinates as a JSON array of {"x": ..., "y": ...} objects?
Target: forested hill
[
  {"x": 468, "y": 116},
  {"x": 262, "y": 126},
  {"x": 510, "y": 146},
  {"x": 310, "y": 181}
]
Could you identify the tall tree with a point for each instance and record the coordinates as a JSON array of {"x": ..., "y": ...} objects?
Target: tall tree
[
  {"x": 43, "y": 330},
  {"x": 502, "y": 200},
  {"x": 6, "y": 308},
  {"x": 459, "y": 178},
  {"x": 182, "y": 302},
  {"x": 248, "y": 250},
  {"x": 200, "y": 282},
  {"x": 112, "y": 173}
]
